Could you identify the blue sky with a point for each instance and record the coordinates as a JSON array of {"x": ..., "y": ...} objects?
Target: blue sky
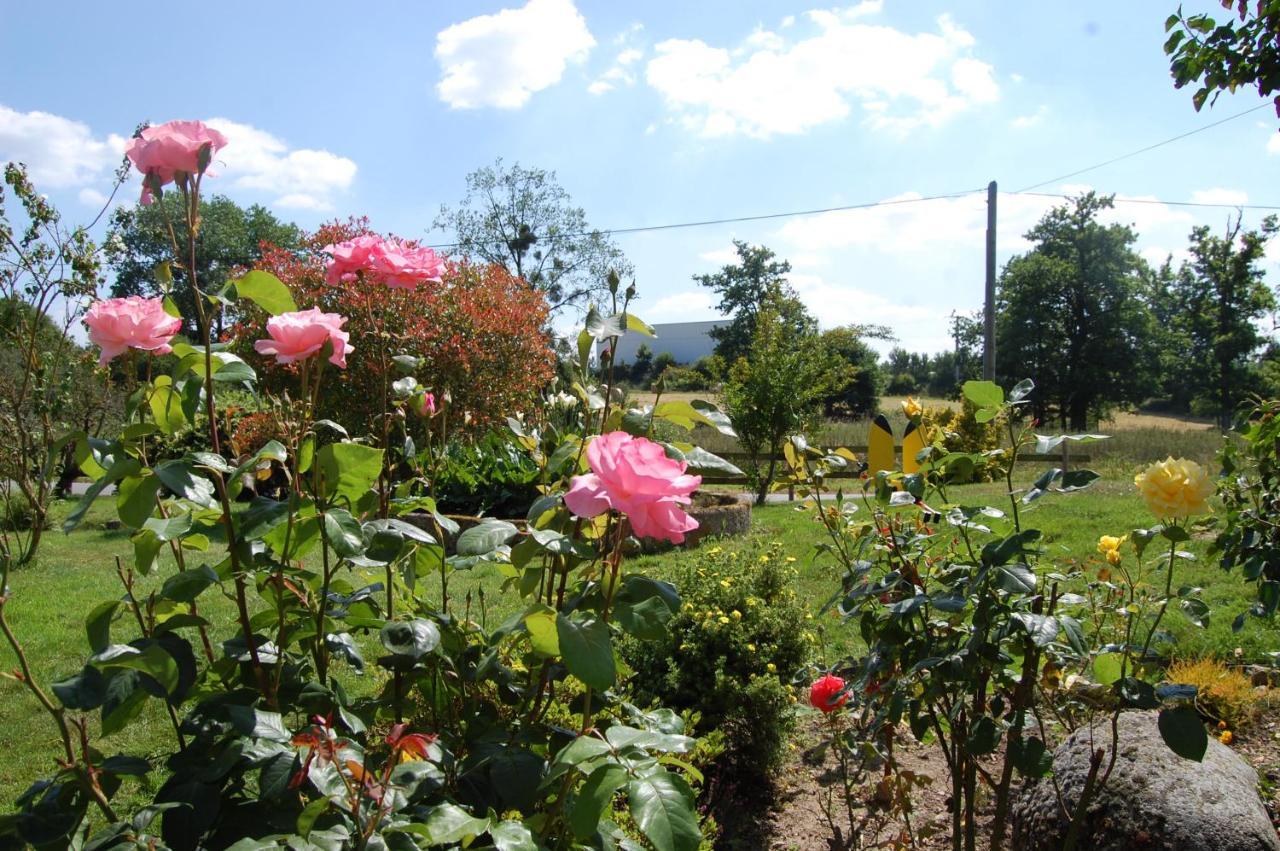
[{"x": 657, "y": 113}]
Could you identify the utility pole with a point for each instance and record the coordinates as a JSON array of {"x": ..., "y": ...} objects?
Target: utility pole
[
  {"x": 955, "y": 336},
  {"x": 989, "y": 309}
]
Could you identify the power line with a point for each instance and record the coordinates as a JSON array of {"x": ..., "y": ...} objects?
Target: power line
[
  {"x": 1159, "y": 201},
  {"x": 1147, "y": 148},
  {"x": 737, "y": 219}
]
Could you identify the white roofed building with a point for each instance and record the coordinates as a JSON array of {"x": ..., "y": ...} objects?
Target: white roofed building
[{"x": 686, "y": 341}]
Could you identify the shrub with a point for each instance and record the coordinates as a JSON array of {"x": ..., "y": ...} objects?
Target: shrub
[
  {"x": 17, "y": 514},
  {"x": 902, "y": 384},
  {"x": 661, "y": 362},
  {"x": 730, "y": 652},
  {"x": 1222, "y": 693},
  {"x": 960, "y": 432},
  {"x": 683, "y": 379},
  {"x": 487, "y": 476},
  {"x": 479, "y": 335}
]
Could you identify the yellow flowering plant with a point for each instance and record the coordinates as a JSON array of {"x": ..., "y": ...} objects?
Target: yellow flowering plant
[{"x": 1175, "y": 488}]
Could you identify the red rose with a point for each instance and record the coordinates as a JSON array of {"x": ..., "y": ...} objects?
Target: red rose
[{"x": 825, "y": 693}]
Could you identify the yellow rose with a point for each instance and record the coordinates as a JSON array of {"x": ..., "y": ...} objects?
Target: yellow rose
[
  {"x": 1109, "y": 546},
  {"x": 912, "y": 408},
  {"x": 1175, "y": 488}
]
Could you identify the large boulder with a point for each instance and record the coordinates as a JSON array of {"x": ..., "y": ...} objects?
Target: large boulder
[{"x": 1154, "y": 800}]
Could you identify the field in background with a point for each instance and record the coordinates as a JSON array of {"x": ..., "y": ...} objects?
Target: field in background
[{"x": 1135, "y": 439}]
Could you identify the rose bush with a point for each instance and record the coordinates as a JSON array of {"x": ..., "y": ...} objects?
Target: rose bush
[
  {"x": 119, "y": 324},
  {"x": 514, "y": 736},
  {"x": 476, "y": 336}
]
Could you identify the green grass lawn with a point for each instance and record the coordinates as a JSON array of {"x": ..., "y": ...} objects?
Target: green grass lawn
[{"x": 77, "y": 571}]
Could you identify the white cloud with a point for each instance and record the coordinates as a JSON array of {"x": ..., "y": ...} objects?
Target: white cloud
[
  {"x": 64, "y": 154},
  {"x": 720, "y": 256},
  {"x": 500, "y": 60},
  {"x": 689, "y": 306},
  {"x": 620, "y": 73},
  {"x": 91, "y": 198},
  {"x": 58, "y": 152},
  {"x": 1273, "y": 143},
  {"x": 301, "y": 178},
  {"x": 1022, "y": 122},
  {"x": 773, "y": 84},
  {"x": 1220, "y": 196},
  {"x": 918, "y": 326},
  {"x": 629, "y": 56}
]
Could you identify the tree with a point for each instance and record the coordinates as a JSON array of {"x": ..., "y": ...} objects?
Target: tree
[
  {"x": 1229, "y": 55},
  {"x": 744, "y": 288},
  {"x": 661, "y": 363},
  {"x": 858, "y": 396},
  {"x": 643, "y": 366},
  {"x": 1070, "y": 316},
  {"x": 1221, "y": 294},
  {"x": 777, "y": 389},
  {"x": 524, "y": 221},
  {"x": 230, "y": 238}
]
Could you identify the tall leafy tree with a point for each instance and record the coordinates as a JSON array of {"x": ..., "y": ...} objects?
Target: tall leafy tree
[
  {"x": 744, "y": 288},
  {"x": 776, "y": 389},
  {"x": 1221, "y": 294},
  {"x": 858, "y": 395},
  {"x": 523, "y": 220},
  {"x": 1071, "y": 317},
  {"x": 230, "y": 237}
]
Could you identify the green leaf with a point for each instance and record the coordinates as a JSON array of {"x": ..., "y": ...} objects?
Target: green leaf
[
  {"x": 635, "y": 323},
  {"x": 349, "y": 469},
  {"x": 166, "y": 405},
  {"x": 1015, "y": 579},
  {"x": 85, "y": 690},
  {"x": 185, "y": 586},
  {"x": 120, "y": 468},
  {"x": 485, "y": 537},
  {"x": 701, "y": 461},
  {"x": 343, "y": 532},
  {"x": 599, "y": 326},
  {"x": 136, "y": 498},
  {"x": 152, "y": 660},
  {"x": 180, "y": 477},
  {"x": 983, "y": 394},
  {"x": 1043, "y": 629},
  {"x": 541, "y": 625},
  {"x": 1107, "y": 668},
  {"x": 267, "y": 291},
  {"x": 413, "y": 639},
  {"x": 232, "y": 370},
  {"x": 1184, "y": 733},
  {"x": 259, "y": 723},
  {"x": 512, "y": 835},
  {"x": 662, "y": 805},
  {"x": 448, "y": 823},
  {"x": 587, "y": 650},
  {"x": 594, "y": 798},
  {"x": 984, "y": 735},
  {"x": 1045, "y": 444},
  {"x": 275, "y": 774}
]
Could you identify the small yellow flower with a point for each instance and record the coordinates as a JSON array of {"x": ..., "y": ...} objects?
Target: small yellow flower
[
  {"x": 751, "y": 647},
  {"x": 724, "y": 619},
  {"x": 1225, "y": 737},
  {"x": 725, "y": 583},
  {"x": 808, "y": 616},
  {"x": 684, "y": 646},
  {"x": 771, "y": 668},
  {"x": 764, "y": 559},
  {"x": 713, "y": 551},
  {"x": 912, "y": 408},
  {"x": 737, "y": 615},
  {"x": 790, "y": 559},
  {"x": 1109, "y": 546},
  {"x": 1175, "y": 488},
  {"x": 1222, "y": 725}
]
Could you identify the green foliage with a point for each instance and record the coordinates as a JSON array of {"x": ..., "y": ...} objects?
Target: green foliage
[
  {"x": 745, "y": 289},
  {"x": 682, "y": 379},
  {"x": 740, "y": 638},
  {"x": 777, "y": 390},
  {"x": 661, "y": 363},
  {"x": 524, "y": 221},
  {"x": 490, "y": 476},
  {"x": 858, "y": 396},
  {"x": 642, "y": 368},
  {"x": 228, "y": 240},
  {"x": 1228, "y": 55},
  {"x": 959, "y": 432},
  {"x": 1071, "y": 318},
  {"x": 1249, "y": 539}
]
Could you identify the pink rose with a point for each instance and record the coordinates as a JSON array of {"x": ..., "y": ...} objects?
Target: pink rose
[
  {"x": 402, "y": 267},
  {"x": 160, "y": 152},
  {"x": 117, "y": 324},
  {"x": 299, "y": 335},
  {"x": 393, "y": 263},
  {"x": 425, "y": 405},
  {"x": 633, "y": 475},
  {"x": 348, "y": 258}
]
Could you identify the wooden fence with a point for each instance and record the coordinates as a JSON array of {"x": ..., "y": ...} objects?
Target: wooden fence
[{"x": 1063, "y": 459}]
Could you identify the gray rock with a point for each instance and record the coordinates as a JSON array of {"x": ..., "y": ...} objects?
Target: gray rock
[{"x": 1154, "y": 800}]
